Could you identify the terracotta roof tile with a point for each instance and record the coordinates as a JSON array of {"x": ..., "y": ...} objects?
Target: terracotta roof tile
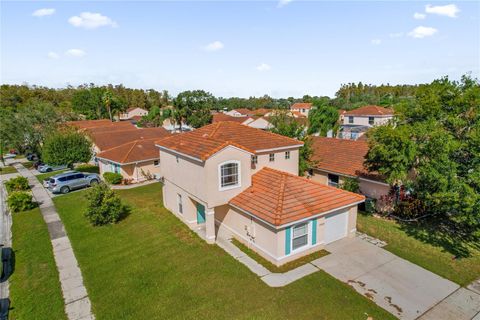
[
  {"x": 134, "y": 151},
  {"x": 206, "y": 141},
  {"x": 344, "y": 157},
  {"x": 113, "y": 126},
  {"x": 370, "y": 111},
  {"x": 108, "y": 140},
  {"x": 217, "y": 117},
  {"x": 279, "y": 198},
  {"x": 301, "y": 105},
  {"x": 83, "y": 124}
]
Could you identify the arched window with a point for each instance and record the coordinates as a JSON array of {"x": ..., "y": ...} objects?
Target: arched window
[{"x": 229, "y": 174}]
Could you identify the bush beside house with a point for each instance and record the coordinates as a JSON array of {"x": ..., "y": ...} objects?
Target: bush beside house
[{"x": 112, "y": 177}]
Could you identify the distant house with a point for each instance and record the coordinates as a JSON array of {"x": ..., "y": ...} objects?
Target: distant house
[
  {"x": 243, "y": 112},
  {"x": 337, "y": 159},
  {"x": 355, "y": 123},
  {"x": 230, "y": 180},
  {"x": 133, "y": 113},
  {"x": 136, "y": 161},
  {"x": 218, "y": 117},
  {"x": 261, "y": 123},
  {"x": 301, "y": 107}
]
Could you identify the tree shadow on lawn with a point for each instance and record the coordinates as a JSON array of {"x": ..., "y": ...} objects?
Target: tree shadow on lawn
[{"x": 448, "y": 235}]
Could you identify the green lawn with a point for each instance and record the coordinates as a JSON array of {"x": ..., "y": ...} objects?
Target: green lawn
[
  {"x": 427, "y": 255},
  {"x": 34, "y": 285},
  {"x": 283, "y": 268},
  {"x": 44, "y": 176},
  {"x": 28, "y": 164},
  {"x": 151, "y": 266},
  {"x": 7, "y": 170}
]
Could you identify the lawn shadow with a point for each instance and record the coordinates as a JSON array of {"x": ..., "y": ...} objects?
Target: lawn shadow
[
  {"x": 8, "y": 263},
  {"x": 448, "y": 235}
]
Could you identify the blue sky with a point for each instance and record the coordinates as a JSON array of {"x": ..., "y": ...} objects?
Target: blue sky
[{"x": 288, "y": 48}]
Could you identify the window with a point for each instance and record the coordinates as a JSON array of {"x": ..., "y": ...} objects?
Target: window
[
  {"x": 254, "y": 159},
  {"x": 229, "y": 175},
  {"x": 287, "y": 155},
  {"x": 371, "y": 120},
  {"x": 300, "y": 236},
  {"x": 271, "y": 157},
  {"x": 180, "y": 203},
  {"x": 176, "y": 158},
  {"x": 156, "y": 163},
  {"x": 333, "y": 180},
  {"x": 303, "y": 110},
  {"x": 350, "y": 119}
]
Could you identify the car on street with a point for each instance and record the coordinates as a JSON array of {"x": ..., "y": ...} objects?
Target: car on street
[
  {"x": 70, "y": 180},
  {"x": 49, "y": 168}
]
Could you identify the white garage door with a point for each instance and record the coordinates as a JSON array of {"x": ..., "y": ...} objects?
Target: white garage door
[{"x": 336, "y": 226}]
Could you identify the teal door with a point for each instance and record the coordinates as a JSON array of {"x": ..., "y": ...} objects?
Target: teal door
[{"x": 200, "y": 213}]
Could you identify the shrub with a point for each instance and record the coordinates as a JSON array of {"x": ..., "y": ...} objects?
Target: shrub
[
  {"x": 104, "y": 206},
  {"x": 87, "y": 168},
  {"x": 350, "y": 184},
  {"x": 17, "y": 184},
  {"x": 112, "y": 177},
  {"x": 20, "y": 201}
]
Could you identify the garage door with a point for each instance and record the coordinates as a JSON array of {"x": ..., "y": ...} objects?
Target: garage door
[{"x": 336, "y": 226}]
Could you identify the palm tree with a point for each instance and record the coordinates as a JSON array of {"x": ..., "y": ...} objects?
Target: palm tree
[{"x": 107, "y": 101}]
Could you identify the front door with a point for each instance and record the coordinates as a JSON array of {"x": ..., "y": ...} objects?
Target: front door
[{"x": 200, "y": 213}]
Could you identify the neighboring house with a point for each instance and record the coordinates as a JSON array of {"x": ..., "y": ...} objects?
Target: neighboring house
[
  {"x": 261, "y": 123},
  {"x": 356, "y": 122},
  {"x": 302, "y": 107},
  {"x": 170, "y": 126},
  {"x": 241, "y": 112},
  {"x": 84, "y": 124},
  {"x": 113, "y": 126},
  {"x": 228, "y": 179},
  {"x": 337, "y": 159},
  {"x": 131, "y": 113},
  {"x": 217, "y": 117},
  {"x": 136, "y": 161}
]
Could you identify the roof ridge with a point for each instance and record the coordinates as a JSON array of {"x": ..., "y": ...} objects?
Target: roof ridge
[
  {"x": 214, "y": 130},
  {"x": 129, "y": 151},
  {"x": 279, "y": 208}
]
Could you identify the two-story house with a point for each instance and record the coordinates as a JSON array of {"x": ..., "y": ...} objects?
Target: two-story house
[
  {"x": 302, "y": 108},
  {"x": 233, "y": 180},
  {"x": 133, "y": 113},
  {"x": 355, "y": 123}
]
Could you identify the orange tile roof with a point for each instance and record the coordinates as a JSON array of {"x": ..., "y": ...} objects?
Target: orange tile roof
[
  {"x": 298, "y": 114},
  {"x": 370, "y": 111},
  {"x": 279, "y": 198},
  {"x": 217, "y": 117},
  {"x": 83, "y": 124},
  {"x": 301, "y": 105},
  {"x": 340, "y": 156},
  {"x": 113, "y": 126},
  {"x": 131, "y": 152},
  {"x": 206, "y": 141},
  {"x": 133, "y": 108},
  {"x": 243, "y": 111},
  {"x": 107, "y": 140}
]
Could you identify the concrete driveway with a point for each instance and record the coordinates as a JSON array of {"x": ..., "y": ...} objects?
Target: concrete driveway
[{"x": 401, "y": 287}]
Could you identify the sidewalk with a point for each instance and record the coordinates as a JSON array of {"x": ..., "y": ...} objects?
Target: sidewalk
[
  {"x": 77, "y": 303},
  {"x": 5, "y": 240}
]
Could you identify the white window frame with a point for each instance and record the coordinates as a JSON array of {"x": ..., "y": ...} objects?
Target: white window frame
[
  {"x": 270, "y": 158},
  {"x": 254, "y": 159},
  {"x": 308, "y": 234},
  {"x": 239, "y": 172},
  {"x": 287, "y": 155},
  {"x": 373, "y": 121},
  {"x": 179, "y": 203}
]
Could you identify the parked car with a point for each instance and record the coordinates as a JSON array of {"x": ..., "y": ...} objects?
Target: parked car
[
  {"x": 71, "y": 180},
  {"x": 48, "y": 168},
  {"x": 31, "y": 157},
  {"x": 9, "y": 156},
  {"x": 37, "y": 164}
]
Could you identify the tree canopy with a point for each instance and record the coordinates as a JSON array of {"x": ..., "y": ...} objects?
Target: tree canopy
[
  {"x": 194, "y": 107},
  {"x": 322, "y": 118},
  {"x": 66, "y": 147}
]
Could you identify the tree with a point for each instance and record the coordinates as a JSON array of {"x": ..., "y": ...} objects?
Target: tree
[
  {"x": 286, "y": 125},
  {"x": 194, "y": 107},
  {"x": 107, "y": 101},
  {"x": 104, "y": 205},
  {"x": 323, "y": 118},
  {"x": 66, "y": 147},
  {"x": 434, "y": 151}
]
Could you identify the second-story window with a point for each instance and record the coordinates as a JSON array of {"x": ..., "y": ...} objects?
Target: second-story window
[
  {"x": 229, "y": 175},
  {"x": 287, "y": 155},
  {"x": 254, "y": 159},
  {"x": 271, "y": 157},
  {"x": 156, "y": 163},
  {"x": 350, "y": 119},
  {"x": 371, "y": 120}
]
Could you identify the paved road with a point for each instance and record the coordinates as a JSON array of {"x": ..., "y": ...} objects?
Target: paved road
[{"x": 397, "y": 285}]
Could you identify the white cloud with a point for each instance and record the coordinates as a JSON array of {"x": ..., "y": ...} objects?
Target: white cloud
[
  {"x": 264, "y": 67},
  {"x": 396, "y": 35},
  {"x": 43, "y": 12},
  {"x": 214, "y": 46},
  {"x": 53, "y": 55},
  {"x": 283, "y": 3},
  {"x": 376, "y": 42},
  {"x": 422, "y": 32},
  {"x": 419, "y": 16},
  {"x": 449, "y": 10},
  {"x": 77, "y": 53},
  {"x": 89, "y": 20}
]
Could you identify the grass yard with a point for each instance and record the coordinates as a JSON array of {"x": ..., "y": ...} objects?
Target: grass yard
[
  {"x": 7, "y": 170},
  {"x": 429, "y": 256},
  {"x": 44, "y": 176},
  {"x": 284, "y": 268},
  {"x": 28, "y": 164},
  {"x": 34, "y": 285},
  {"x": 151, "y": 266}
]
